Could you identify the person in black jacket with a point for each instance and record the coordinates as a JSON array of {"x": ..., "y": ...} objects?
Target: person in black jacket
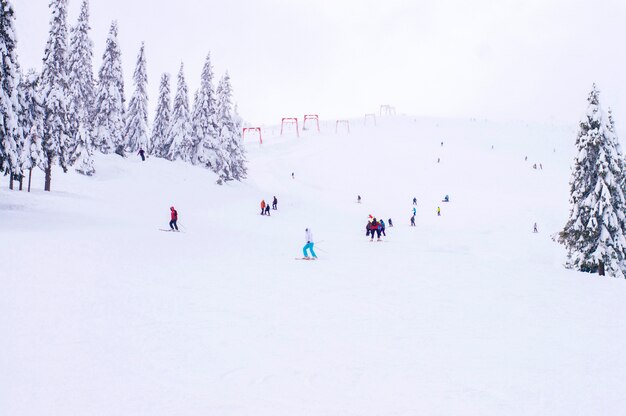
[{"x": 275, "y": 204}]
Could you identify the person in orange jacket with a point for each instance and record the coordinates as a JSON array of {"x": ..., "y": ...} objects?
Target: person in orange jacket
[{"x": 263, "y": 207}]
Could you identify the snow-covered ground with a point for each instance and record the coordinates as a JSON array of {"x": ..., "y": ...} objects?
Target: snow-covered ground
[{"x": 469, "y": 313}]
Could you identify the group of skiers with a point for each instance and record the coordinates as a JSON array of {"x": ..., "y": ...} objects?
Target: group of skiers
[
  {"x": 265, "y": 208},
  {"x": 377, "y": 227}
]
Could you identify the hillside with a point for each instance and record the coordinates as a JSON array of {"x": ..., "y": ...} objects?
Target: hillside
[{"x": 469, "y": 313}]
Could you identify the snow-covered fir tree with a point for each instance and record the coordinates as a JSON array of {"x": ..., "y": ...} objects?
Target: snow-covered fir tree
[
  {"x": 594, "y": 231},
  {"x": 158, "y": 145},
  {"x": 233, "y": 161},
  {"x": 137, "y": 116},
  {"x": 10, "y": 133},
  {"x": 179, "y": 133},
  {"x": 31, "y": 123},
  {"x": 204, "y": 125},
  {"x": 618, "y": 148},
  {"x": 109, "y": 101},
  {"x": 55, "y": 92},
  {"x": 81, "y": 84}
]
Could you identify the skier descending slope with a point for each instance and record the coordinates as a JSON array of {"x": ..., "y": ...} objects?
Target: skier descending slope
[
  {"x": 174, "y": 219},
  {"x": 308, "y": 246}
]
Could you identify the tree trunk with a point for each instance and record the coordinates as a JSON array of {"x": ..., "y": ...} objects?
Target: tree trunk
[
  {"x": 21, "y": 182},
  {"x": 48, "y": 175},
  {"x": 30, "y": 176},
  {"x": 600, "y": 268},
  {"x": 11, "y": 180}
]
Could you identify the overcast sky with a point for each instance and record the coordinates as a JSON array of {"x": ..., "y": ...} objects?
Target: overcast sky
[{"x": 498, "y": 59}]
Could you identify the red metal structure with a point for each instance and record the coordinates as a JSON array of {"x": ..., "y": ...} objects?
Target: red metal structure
[
  {"x": 311, "y": 117},
  {"x": 289, "y": 120},
  {"x": 245, "y": 129},
  {"x": 369, "y": 116},
  {"x": 344, "y": 122}
]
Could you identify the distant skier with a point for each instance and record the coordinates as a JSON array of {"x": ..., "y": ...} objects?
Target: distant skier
[
  {"x": 275, "y": 204},
  {"x": 414, "y": 211},
  {"x": 414, "y": 201},
  {"x": 535, "y": 166},
  {"x": 263, "y": 207},
  {"x": 174, "y": 219},
  {"x": 267, "y": 210},
  {"x": 308, "y": 235},
  {"x": 293, "y": 175},
  {"x": 142, "y": 154},
  {"x": 390, "y": 222},
  {"x": 525, "y": 158},
  {"x": 358, "y": 199},
  {"x": 382, "y": 227},
  {"x": 438, "y": 212},
  {"x": 413, "y": 221},
  {"x": 438, "y": 160},
  {"x": 441, "y": 144},
  {"x": 535, "y": 228},
  {"x": 540, "y": 166},
  {"x": 446, "y": 199}
]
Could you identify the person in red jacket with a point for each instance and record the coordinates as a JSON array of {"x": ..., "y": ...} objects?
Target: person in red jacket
[
  {"x": 174, "y": 215},
  {"x": 374, "y": 228}
]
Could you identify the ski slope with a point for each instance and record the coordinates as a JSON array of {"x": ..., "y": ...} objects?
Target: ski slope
[{"x": 469, "y": 313}]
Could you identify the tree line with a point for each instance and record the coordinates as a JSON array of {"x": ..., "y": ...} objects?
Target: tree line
[{"x": 63, "y": 114}]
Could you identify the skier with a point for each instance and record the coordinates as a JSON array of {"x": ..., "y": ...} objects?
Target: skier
[
  {"x": 446, "y": 199},
  {"x": 263, "y": 207},
  {"x": 535, "y": 228},
  {"x": 414, "y": 211},
  {"x": 438, "y": 212},
  {"x": 382, "y": 228},
  {"x": 358, "y": 199},
  {"x": 441, "y": 144},
  {"x": 267, "y": 210},
  {"x": 142, "y": 154},
  {"x": 374, "y": 228},
  {"x": 390, "y": 223},
  {"x": 413, "y": 221},
  {"x": 174, "y": 216},
  {"x": 275, "y": 204},
  {"x": 292, "y": 175},
  {"x": 309, "y": 245},
  {"x": 414, "y": 201}
]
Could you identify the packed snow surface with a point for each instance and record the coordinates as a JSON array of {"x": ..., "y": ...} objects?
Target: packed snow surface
[{"x": 468, "y": 313}]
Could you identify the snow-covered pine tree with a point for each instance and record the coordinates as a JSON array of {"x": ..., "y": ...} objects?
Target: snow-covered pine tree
[
  {"x": 179, "y": 133},
  {"x": 594, "y": 231},
  {"x": 31, "y": 123},
  {"x": 618, "y": 147},
  {"x": 10, "y": 134},
  {"x": 158, "y": 145},
  {"x": 55, "y": 93},
  {"x": 137, "y": 116},
  {"x": 204, "y": 126},
  {"x": 109, "y": 101},
  {"x": 233, "y": 161},
  {"x": 81, "y": 84}
]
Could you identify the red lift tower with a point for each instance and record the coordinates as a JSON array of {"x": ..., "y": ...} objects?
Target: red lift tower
[
  {"x": 343, "y": 122},
  {"x": 289, "y": 120},
  {"x": 311, "y": 117},
  {"x": 257, "y": 129}
]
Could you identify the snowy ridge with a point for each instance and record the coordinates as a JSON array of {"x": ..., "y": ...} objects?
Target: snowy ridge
[{"x": 469, "y": 313}]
